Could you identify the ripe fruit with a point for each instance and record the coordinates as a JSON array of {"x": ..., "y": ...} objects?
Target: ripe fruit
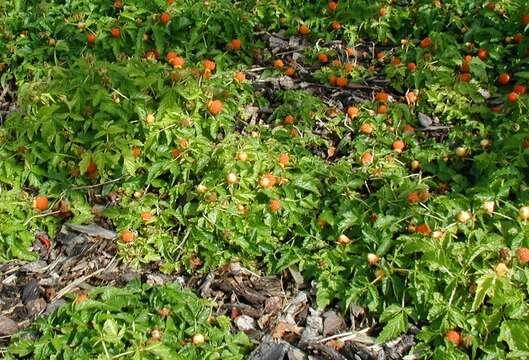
[
  {"x": 466, "y": 77},
  {"x": 332, "y": 5},
  {"x": 519, "y": 89},
  {"x": 525, "y": 19},
  {"x": 115, "y": 32},
  {"x": 501, "y": 270},
  {"x": 504, "y": 79},
  {"x": 40, "y": 203},
  {"x": 408, "y": 129},
  {"x": 423, "y": 229},
  {"x": 352, "y": 111},
  {"x": 513, "y": 97},
  {"x": 463, "y": 216},
  {"x": 231, "y": 178},
  {"x": 398, "y": 145},
  {"x": 465, "y": 68},
  {"x": 367, "y": 158},
  {"x": 290, "y": 71},
  {"x": 91, "y": 38},
  {"x": 267, "y": 181},
  {"x": 304, "y": 29},
  {"x": 483, "y": 54},
  {"x": 283, "y": 160},
  {"x": 175, "y": 153},
  {"x": 146, "y": 216},
  {"x": 382, "y": 12},
  {"x": 411, "y": 98},
  {"x": 382, "y": 109},
  {"x": 341, "y": 82},
  {"x": 372, "y": 259},
  {"x": 149, "y": 118},
  {"x": 165, "y": 18},
  {"x": 215, "y": 107},
  {"x": 278, "y": 64},
  {"x": 518, "y": 38},
  {"x": 343, "y": 240},
  {"x": 198, "y": 339},
  {"x": 488, "y": 206},
  {"x": 523, "y": 255},
  {"x": 523, "y": 212},
  {"x": 209, "y": 64},
  {"x": 235, "y": 44},
  {"x": 454, "y": 337},
  {"x": 381, "y": 96},
  {"x": 335, "y": 25},
  {"x": 288, "y": 120},
  {"x": 274, "y": 205},
  {"x": 425, "y": 43},
  {"x": 127, "y": 236},
  {"x": 323, "y": 58},
  {"x": 413, "y": 197},
  {"x": 490, "y": 6},
  {"x": 91, "y": 169},
  {"x": 366, "y": 128},
  {"x": 178, "y": 62},
  {"x": 411, "y": 67},
  {"x": 395, "y": 61},
  {"x": 136, "y": 152},
  {"x": 239, "y": 76}
]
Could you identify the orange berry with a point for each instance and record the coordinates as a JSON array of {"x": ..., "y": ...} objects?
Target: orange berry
[
  {"x": 483, "y": 54},
  {"x": 235, "y": 44},
  {"x": 239, "y": 76},
  {"x": 425, "y": 43},
  {"x": 127, "y": 236},
  {"x": 352, "y": 111},
  {"x": 518, "y": 38},
  {"x": 91, "y": 168},
  {"x": 177, "y": 62},
  {"x": 165, "y": 18},
  {"x": 304, "y": 29},
  {"x": 115, "y": 32},
  {"x": 341, "y": 82},
  {"x": 519, "y": 89},
  {"x": 91, "y": 38},
  {"x": 513, "y": 97},
  {"x": 395, "y": 61},
  {"x": 267, "y": 181},
  {"x": 136, "y": 152},
  {"x": 170, "y": 55},
  {"x": 454, "y": 337},
  {"x": 367, "y": 158},
  {"x": 41, "y": 203},
  {"x": 350, "y": 52},
  {"x": 423, "y": 229},
  {"x": 504, "y": 79},
  {"x": 382, "y": 109},
  {"x": 146, "y": 216},
  {"x": 382, "y": 97},
  {"x": 332, "y": 80},
  {"x": 278, "y": 64},
  {"x": 215, "y": 107},
  {"x": 288, "y": 120},
  {"x": 348, "y": 67},
  {"x": 336, "y": 25},
  {"x": 209, "y": 64},
  {"x": 411, "y": 98},
  {"x": 465, "y": 77},
  {"x": 175, "y": 153},
  {"x": 382, "y": 12},
  {"x": 323, "y": 58},
  {"x": 411, "y": 67},
  {"x": 332, "y": 5},
  {"x": 525, "y": 19},
  {"x": 467, "y": 58},
  {"x": 290, "y": 71},
  {"x": 366, "y": 128},
  {"x": 413, "y": 197},
  {"x": 283, "y": 160},
  {"x": 523, "y": 255},
  {"x": 408, "y": 128},
  {"x": 398, "y": 145},
  {"x": 274, "y": 205}
]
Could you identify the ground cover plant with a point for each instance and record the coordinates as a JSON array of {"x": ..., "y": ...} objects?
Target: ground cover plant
[{"x": 378, "y": 148}]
